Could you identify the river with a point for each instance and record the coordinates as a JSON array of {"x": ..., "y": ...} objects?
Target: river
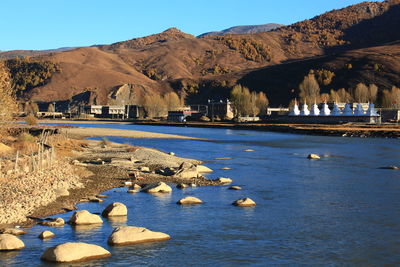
[{"x": 340, "y": 210}]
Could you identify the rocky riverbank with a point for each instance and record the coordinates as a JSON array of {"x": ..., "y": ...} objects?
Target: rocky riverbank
[{"x": 98, "y": 167}]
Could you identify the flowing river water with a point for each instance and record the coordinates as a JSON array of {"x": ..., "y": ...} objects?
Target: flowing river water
[{"x": 340, "y": 210}]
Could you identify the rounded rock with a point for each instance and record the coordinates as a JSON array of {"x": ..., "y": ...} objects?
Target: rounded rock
[
  {"x": 126, "y": 235},
  {"x": 84, "y": 217},
  {"x": 74, "y": 252},
  {"x": 244, "y": 202},
  {"x": 313, "y": 156},
  {"x": 115, "y": 209},
  {"x": 46, "y": 235},
  {"x": 235, "y": 187},
  {"x": 10, "y": 242},
  {"x": 189, "y": 201}
]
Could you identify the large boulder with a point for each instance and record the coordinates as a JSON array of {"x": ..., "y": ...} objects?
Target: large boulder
[
  {"x": 54, "y": 222},
  {"x": 244, "y": 202},
  {"x": 126, "y": 235},
  {"x": 84, "y": 217},
  {"x": 12, "y": 231},
  {"x": 159, "y": 187},
  {"x": 189, "y": 201},
  {"x": 115, "y": 209},
  {"x": 46, "y": 235},
  {"x": 74, "y": 252},
  {"x": 203, "y": 169},
  {"x": 10, "y": 242},
  {"x": 187, "y": 171},
  {"x": 223, "y": 180}
]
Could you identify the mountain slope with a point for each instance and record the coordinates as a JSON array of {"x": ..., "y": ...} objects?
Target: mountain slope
[
  {"x": 245, "y": 29},
  {"x": 176, "y": 60}
]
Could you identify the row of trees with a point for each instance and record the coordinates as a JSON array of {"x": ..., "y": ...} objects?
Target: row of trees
[
  {"x": 310, "y": 92},
  {"x": 156, "y": 105},
  {"x": 246, "y": 103}
]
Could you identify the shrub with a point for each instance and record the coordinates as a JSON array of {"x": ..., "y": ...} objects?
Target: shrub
[{"x": 31, "y": 119}]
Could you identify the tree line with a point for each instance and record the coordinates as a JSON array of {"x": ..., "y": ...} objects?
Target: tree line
[{"x": 309, "y": 92}]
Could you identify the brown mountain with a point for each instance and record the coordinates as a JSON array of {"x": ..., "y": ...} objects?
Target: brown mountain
[{"x": 208, "y": 66}]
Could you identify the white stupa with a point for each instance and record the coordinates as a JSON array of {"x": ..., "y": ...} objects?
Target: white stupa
[
  {"x": 314, "y": 110},
  {"x": 359, "y": 111},
  {"x": 347, "y": 111},
  {"x": 325, "y": 111},
  {"x": 295, "y": 110},
  {"x": 336, "y": 110},
  {"x": 304, "y": 110},
  {"x": 371, "y": 111}
]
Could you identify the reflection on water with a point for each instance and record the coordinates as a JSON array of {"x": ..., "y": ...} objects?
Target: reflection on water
[{"x": 340, "y": 210}]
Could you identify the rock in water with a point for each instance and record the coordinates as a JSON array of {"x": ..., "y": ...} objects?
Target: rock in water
[
  {"x": 10, "y": 242},
  {"x": 46, "y": 235},
  {"x": 224, "y": 180},
  {"x": 54, "y": 222},
  {"x": 313, "y": 156},
  {"x": 157, "y": 188},
  {"x": 181, "y": 186},
  {"x": 133, "y": 191},
  {"x": 84, "y": 217},
  {"x": 190, "y": 201},
  {"x": 115, "y": 209},
  {"x": 186, "y": 171},
  {"x": 12, "y": 231},
  {"x": 74, "y": 252},
  {"x": 244, "y": 202},
  {"x": 126, "y": 235},
  {"x": 235, "y": 187},
  {"x": 203, "y": 169}
]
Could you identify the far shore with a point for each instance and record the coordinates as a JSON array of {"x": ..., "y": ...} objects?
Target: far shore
[{"x": 384, "y": 130}]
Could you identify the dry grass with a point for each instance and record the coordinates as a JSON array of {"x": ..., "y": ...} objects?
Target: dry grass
[
  {"x": 31, "y": 120},
  {"x": 67, "y": 147}
]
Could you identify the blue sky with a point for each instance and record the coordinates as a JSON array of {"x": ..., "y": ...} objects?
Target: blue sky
[{"x": 45, "y": 24}]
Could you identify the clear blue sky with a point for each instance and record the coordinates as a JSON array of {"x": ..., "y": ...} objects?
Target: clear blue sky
[{"x": 46, "y": 24}]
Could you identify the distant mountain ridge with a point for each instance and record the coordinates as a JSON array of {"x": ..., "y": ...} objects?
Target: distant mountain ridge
[
  {"x": 31, "y": 53},
  {"x": 245, "y": 29}
]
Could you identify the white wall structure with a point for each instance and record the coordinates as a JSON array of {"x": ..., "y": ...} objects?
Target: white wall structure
[
  {"x": 347, "y": 111},
  {"x": 295, "y": 110},
  {"x": 336, "y": 110},
  {"x": 304, "y": 110},
  {"x": 314, "y": 110},
  {"x": 371, "y": 111},
  {"x": 359, "y": 111},
  {"x": 325, "y": 111}
]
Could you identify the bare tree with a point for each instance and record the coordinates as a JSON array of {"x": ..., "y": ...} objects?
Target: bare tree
[
  {"x": 253, "y": 104},
  {"x": 372, "y": 93},
  {"x": 154, "y": 105},
  {"x": 344, "y": 96},
  {"x": 391, "y": 99},
  {"x": 240, "y": 97},
  {"x": 8, "y": 105},
  {"x": 309, "y": 89},
  {"x": 172, "y": 101},
  {"x": 262, "y": 103},
  {"x": 361, "y": 93},
  {"x": 50, "y": 108}
]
